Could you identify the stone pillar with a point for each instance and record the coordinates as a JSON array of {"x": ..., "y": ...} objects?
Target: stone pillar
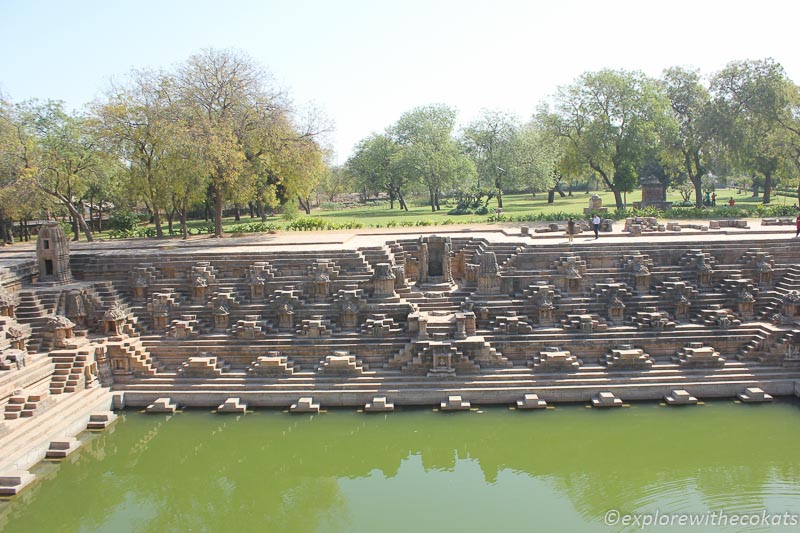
[
  {"x": 469, "y": 323},
  {"x": 422, "y": 328},
  {"x": 399, "y": 272},
  {"x": 423, "y": 262},
  {"x": 461, "y": 326}
]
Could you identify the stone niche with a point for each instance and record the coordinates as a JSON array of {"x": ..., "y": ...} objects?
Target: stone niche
[
  {"x": 435, "y": 265},
  {"x": 52, "y": 254}
]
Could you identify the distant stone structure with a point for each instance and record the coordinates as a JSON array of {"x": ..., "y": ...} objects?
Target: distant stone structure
[
  {"x": 595, "y": 205},
  {"x": 654, "y": 194}
]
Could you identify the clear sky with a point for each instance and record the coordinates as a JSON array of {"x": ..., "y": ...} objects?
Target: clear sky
[{"x": 366, "y": 62}]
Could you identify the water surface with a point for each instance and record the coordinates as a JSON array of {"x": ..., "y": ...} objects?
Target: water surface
[{"x": 484, "y": 471}]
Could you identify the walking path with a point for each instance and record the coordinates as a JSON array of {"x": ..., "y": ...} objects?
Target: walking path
[{"x": 293, "y": 240}]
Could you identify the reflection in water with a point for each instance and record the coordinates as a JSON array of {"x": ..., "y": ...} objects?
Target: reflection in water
[{"x": 342, "y": 471}]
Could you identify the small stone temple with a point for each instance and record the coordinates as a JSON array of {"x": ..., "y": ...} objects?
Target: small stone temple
[
  {"x": 654, "y": 194},
  {"x": 52, "y": 253}
]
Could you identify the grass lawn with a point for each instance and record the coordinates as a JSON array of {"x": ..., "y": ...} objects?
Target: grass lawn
[{"x": 513, "y": 205}]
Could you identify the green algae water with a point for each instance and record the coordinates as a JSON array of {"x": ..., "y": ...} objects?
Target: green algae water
[{"x": 562, "y": 469}]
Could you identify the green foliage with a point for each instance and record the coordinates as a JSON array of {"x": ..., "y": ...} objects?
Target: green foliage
[
  {"x": 290, "y": 212},
  {"x": 133, "y": 233},
  {"x": 207, "y": 227},
  {"x": 122, "y": 221},
  {"x": 317, "y": 223},
  {"x": 253, "y": 227}
]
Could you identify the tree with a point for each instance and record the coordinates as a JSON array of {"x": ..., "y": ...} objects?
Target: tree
[
  {"x": 753, "y": 101},
  {"x": 226, "y": 99},
  {"x": 60, "y": 155},
  {"x": 691, "y": 144},
  {"x": 536, "y": 155},
  {"x": 490, "y": 141},
  {"x": 137, "y": 122},
  {"x": 336, "y": 180},
  {"x": 429, "y": 152},
  {"x": 378, "y": 165},
  {"x": 609, "y": 120}
]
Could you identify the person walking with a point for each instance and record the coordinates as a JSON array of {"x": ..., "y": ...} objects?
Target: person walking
[
  {"x": 596, "y": 226},
  {"x": 797, "y": 224},
  {"x": 570, "y": 229}
]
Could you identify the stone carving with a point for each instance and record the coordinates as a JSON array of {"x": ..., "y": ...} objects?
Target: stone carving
[
  {"x": 7, "y": 302},
  {"x": 52, "y": 254},
  {"x": 160, "y": 306},
  {"x": 315, "y": 327},
  {"x": 60, "y": 330},
  {"x": 113, "y": 319},
  {"x": 488, "y": 274},
  {"x": 383, "y": 282},
  {"x": 554, "y": 359},
  {"x": 74, "y": 307},
  {"x": 626, "y": 357},
  {"x": 696, "y": 355},
  {"x": 257, "y": 276}
]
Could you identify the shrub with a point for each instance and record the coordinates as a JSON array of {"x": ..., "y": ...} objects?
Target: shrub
[
  {"x": 254, "y": 227},
  {"x": 122, "y": 221},
  {"x": 290, "y": 211}
]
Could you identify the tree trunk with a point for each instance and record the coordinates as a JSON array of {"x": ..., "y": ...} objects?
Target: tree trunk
[
  {"x": 500, "y": 198},
  {"x": 250, "y": 208},
  {"x": 433, "y": 201},
  {"x": 767, "y": 188},
  {"x": 404, "y": 207},
  {"x": 184, "y": 228},
  {"x": 698, "y": 191},
  {"x": 72, "y": 211},
  {"x": 91, "y": 211},
  {"x": 76, "y": 230},
  {"x": 170, "y": 217},
  {"x": 306, "y": 205},
  {"x": 261, "y": 212},
  {"x": 217, "y": 212},
  {"x": 237, "y": 216},
  {"x": 618, "y": 200},
  {"x": 157, "y": 221}
]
